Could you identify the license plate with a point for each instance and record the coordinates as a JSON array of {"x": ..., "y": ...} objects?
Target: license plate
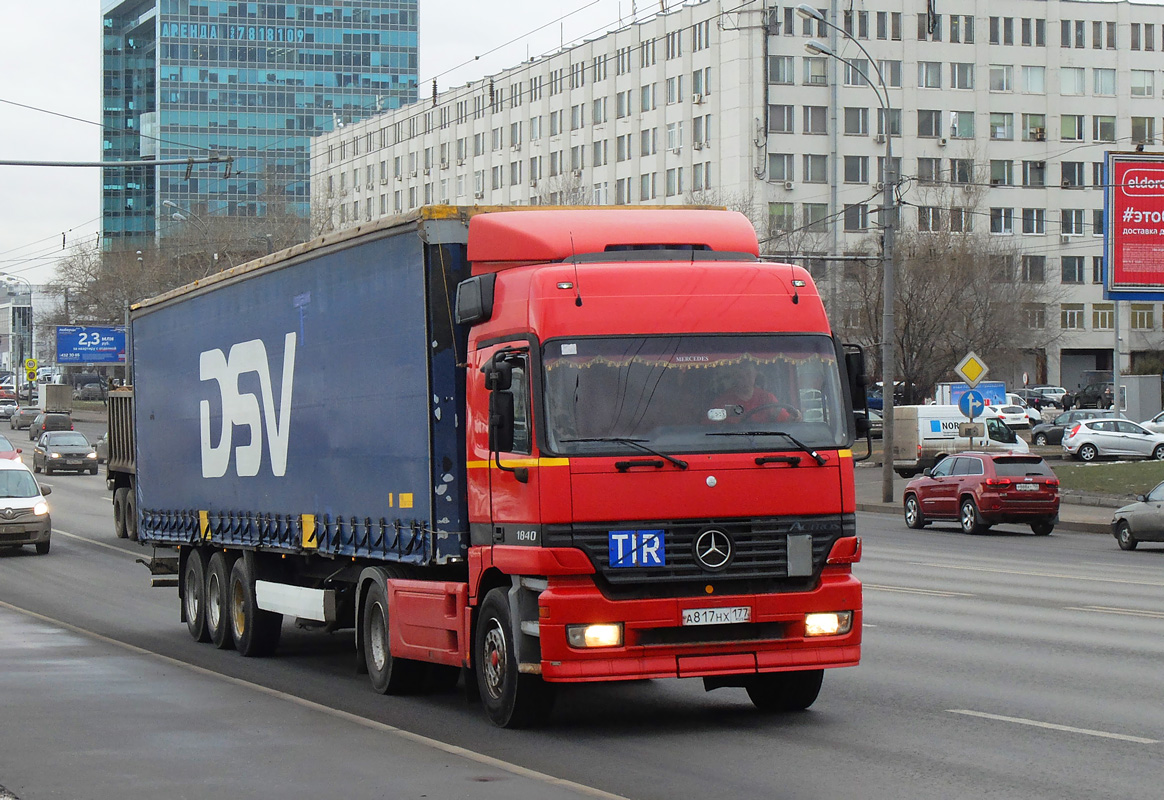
[
  {"x": 717, "y": 616},
  {"x": 72, "y": 461},
  {"x": 1027, "y": 487}
]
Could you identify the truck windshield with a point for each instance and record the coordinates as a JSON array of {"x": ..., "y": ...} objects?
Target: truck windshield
[{"x": 670, "y": 392}]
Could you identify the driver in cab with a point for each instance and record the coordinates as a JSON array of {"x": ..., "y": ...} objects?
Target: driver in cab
[{"x": 743, "y": 400}]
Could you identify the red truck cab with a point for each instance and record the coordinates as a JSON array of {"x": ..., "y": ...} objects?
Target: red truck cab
[{"x": 658, "y": 447}]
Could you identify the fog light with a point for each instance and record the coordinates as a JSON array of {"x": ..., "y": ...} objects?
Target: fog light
[
  {"x": 608, "y": 635},
  {"x": 833, "y": 624}
]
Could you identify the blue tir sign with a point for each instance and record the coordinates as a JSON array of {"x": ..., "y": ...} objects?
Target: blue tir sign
[
  {"x": 90, "y": 345},
  {"x": 637, "y": 549}
]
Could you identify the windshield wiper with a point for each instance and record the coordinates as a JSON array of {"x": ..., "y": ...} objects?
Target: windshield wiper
[
  {"x": 680, "y": 463},
  {"x": 820, "y": 460}
]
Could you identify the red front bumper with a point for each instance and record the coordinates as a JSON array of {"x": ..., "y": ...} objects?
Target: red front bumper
[{"x": 576, "y": 600}]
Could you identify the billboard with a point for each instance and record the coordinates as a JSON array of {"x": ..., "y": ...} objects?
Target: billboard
[
  {"x": 1134, "y": 214},
  {"x": 90, "y": 345}
]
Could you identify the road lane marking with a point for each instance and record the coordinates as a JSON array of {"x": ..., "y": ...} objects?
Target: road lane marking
[
  {"x": 87, "y": 540},
  {"x": 436, "y": 744},
  {"x": 1030, "y": 574},
  {"x": 1130, "y": 612},
  {"x": 1052, "y": 726},
  {"x": 910, "y": 590}
]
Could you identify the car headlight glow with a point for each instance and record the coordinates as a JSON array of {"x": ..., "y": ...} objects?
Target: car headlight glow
[
  {"x": 40, "y": 509},
  {"x": 92, "y": 454},
  {"x": 835, "y": 623},
  {"x": 54, "y": 455},
  {"x": 602, "y": 635}
]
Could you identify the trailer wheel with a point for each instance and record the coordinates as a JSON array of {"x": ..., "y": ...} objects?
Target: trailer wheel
[
  {"x": 511, "y": 699},
  {"x": 256, "y": 632},
  {"x": 785, "y": 691},
  {"x": 389, "y": 674},
  {"x": 217, "y": 610},
  {"x": 130, "y": 515},
  {"x": 119, "y": 496},
  {"x": 194, "y": 595}
]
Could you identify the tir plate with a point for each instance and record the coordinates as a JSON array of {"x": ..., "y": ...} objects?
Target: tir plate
[{"x": 717, "y": 616}]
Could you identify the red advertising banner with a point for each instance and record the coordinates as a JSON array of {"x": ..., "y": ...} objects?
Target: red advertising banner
[{"x": 1135, "y": 222}]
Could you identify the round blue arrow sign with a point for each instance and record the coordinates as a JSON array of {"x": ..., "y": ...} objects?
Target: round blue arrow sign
[{"x": 971, "y": 403}]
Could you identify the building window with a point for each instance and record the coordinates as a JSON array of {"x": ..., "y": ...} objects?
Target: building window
[
  {"x": 929, "y": 218},
  {"x": 1103, "y": 316},
  {"x": 929, "y": 75},
  {"x": 1035, "y": 221},
  {"x": 1001, "y": 78},
  {"x": 1097, "y": 269},
  {"x": 1071, "y": 316},
  {"x": 961, "y": 220},
  {"x": 856, "y": 217},
  {"x": 961, "y": 76},
  {"x": 1002, "y": 220},
  {"x": 1072, "y": 81},
  {"x": 1071, "y": 269},
  {"x": 962, "y": 170},
  {"x": 815, "y": 169},
  {"x": 962, "y": 124},
  {"x": 781, "y": 216},
  {"x": 674, "y": 181},
  {"x": 1035, "y": 80},
  {"x": 1035, "y": 316},
  {"x": 1034, "y": 269},
  {"x": 780, "y": 167},
  {"x": 815, "y": 119},
  {"x": 929, "y": 123},
  {"x": 815, "y": 71},
  {"x": 1143, "y": 317},
  {"x": 929, "y": 170},
  {"x": 890, "y": 73},
  {"x": 1071, "y": 174},
  {"x": 857, "y": 72},
  {"x": 1103, "y": 129},
  {"x": 1142, "y": 83},
  {"x": 1034, "y": 173},
  {"x": 856, "y": 169},
  {"x": 781, "y": 70},
  {"x": 1097, "y": 226},
  {"x": 857, "y": 121},
  {"x": 1071, "y": 224},
  {"x": 1104, "y": 82},
  {"x": 780, "y": 119},
  {"x": 894, "y": 121},
  {"x": 816, "y": 217},
  {"x": 1034, "y": 127},
  {"x": 1001, "y": 172},
  {"x": 1143, "y": 130},
  {"x": 1001, "y": 126}
]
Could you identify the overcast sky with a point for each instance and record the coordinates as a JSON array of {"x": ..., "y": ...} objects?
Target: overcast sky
[{"x": 50, "y": 58}]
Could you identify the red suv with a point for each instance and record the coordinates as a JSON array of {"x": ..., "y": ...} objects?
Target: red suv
[{"x": 983, "y": 489}]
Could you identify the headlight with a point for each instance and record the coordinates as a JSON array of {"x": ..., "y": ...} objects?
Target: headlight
[
  {"x": 40, "y": 509},
  {"x": 54, "y": 455},
  {"x": 92, "y": 455},
  {"x": 607, "y": 635},
  {"x": 832, "y": 624}
]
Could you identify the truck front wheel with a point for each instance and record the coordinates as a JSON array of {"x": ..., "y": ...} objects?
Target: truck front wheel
[
  {"x": 194, "y": 594},
  {"x": 511, "y": 699},
  {"x": 130, "y": 515},
  {"x": 119, "y": 497},
  {"x": 785, "y": 691},
  {"x": 389, "y": 674},
  {"x": 217, "y": 611},
  {"x": 256, "y": 632}
]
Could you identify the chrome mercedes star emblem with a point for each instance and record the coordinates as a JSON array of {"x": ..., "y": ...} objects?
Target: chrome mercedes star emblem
[{"x": 713, "y": 549}]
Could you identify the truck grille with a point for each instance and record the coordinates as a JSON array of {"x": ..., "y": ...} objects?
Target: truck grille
[{"x": 759, "y": 562}]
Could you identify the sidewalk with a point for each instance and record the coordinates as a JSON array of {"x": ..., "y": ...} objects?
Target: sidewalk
[{"x": 1085, "y": 513}]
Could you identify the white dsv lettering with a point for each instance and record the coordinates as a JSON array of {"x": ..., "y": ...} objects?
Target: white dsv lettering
[{"x": 242, "y": 408}]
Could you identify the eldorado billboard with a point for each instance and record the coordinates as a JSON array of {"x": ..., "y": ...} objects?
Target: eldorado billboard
[{"x": 1134, "y": 213}]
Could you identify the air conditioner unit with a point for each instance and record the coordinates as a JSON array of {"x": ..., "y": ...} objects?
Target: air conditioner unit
[
  {"x": 460, "y": 162},
  {"x": 697, "y": 99},
  {"x": 676, "y": 150},
  {"x": 533, "y": 183},
  {"x": 428, "y": 171},
  {"x": 412, "y": 174},
  {"x": 1068, "y": 185},
  {"x": 577, "y": 173},
  {"x": 880, "y": 138},
  {"x": 399, "y": 177},
  {"x": 996, "y": 181},
  {"x": 1064, "y": 238},
  {"x": 942, "y": 142},
  {"x": 698, "y": 145},
  {"x": 516, "y": 146},
  {"x": 966, "y": 187},
  {"x": 371, "y": 186},
  {"x": 444, "y": 165},
  {"x": 383, "y": 181},
  {"x": 1040, "y": 134},
  {"x": 877, "y": 187},
  {"x": 788, "y": 184},
  {"x": 478, "y": 195}
]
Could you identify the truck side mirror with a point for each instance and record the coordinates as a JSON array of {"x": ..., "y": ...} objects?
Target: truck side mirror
[
  {"x": 500, "y": 421},
  {"x": 498, "y": 373},
  {"x": 862, "y": 422},
  {"x": 855, "y": 369}
]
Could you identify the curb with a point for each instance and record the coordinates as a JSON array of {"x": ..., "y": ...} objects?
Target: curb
[{"x": 1066, "y": 525}]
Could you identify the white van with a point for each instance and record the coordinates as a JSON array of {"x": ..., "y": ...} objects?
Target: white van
[{"x": 924, "y": 435}]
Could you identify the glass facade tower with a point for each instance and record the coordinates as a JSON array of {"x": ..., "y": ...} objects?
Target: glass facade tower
[{"x": 194, "y": 78}]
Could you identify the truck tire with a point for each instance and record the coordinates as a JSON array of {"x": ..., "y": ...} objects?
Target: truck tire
[
  {"x": 389, "y": 674},
  {"x": 511, "y": 699},
  {"x": 785, "y": 691},
  {"x": 194, "y": 594},
  {"x": 119, "y": 496},
  {"x": 256, "y": 632},
  {"x": 130, "y": 515},
  {"x": 217, "y": 607}
]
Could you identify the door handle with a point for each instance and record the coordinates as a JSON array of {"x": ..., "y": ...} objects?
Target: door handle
[{"x": 498, "y": 534}]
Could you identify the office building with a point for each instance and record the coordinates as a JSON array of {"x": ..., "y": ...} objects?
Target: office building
[
  {"x": 1012, "y": 104},
  {"x": 190, "y": 78}
]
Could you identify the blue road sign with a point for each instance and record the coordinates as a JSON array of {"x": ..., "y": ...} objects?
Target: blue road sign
[
  {"x": 90, "y": 345},
  {"x": 971, "y": 403}
]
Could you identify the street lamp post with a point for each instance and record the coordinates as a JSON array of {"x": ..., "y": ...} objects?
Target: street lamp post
[
  {"x": 18, "y": 367},
  {"x": 888, "y": 232},
  {"x": 186, "y": 215}
]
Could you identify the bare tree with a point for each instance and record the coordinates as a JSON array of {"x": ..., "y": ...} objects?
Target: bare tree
[{"x": 565, "y": 189}]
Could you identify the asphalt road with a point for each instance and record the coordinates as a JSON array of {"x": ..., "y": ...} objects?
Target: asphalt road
[{"x": 1004, "y": 665}]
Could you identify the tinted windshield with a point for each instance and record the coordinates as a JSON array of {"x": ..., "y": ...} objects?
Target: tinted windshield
[
  {"x": 60, "y": 440},
  {"x": 1019, "y": 467},
  {"x": 17, "y": 483},
  {"x": 673, "y": 392}
]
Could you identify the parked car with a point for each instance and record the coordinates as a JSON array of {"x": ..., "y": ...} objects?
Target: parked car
[
  {"x": 876, "y": 423},
  {"x": 1055, "y": 394},
  {"x": 1014, "y": 417},
  {"x": 1052, "y": 432},
  {"x": 8, "y": 450},
  {"x": 8, "y": 393},
  {"x": 64, "y": 450},
  {"x": 90, "y": 391},
  {"x": 1032, "y": 399},
  {"x": 1092, "y": 438},
  {"x": 22, "y": 417},
  {"x": 49, "y": 422},
  {"x": 1141, "y": 521},
  {"x": 1094, "y": 395},
  {"x": 29, "y": 522},
  {"x": 983, "y": 489},
  {"x": 1156, "y": 423}
]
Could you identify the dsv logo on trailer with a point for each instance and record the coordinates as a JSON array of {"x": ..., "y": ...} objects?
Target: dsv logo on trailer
[{"x": 242, "y": 408}]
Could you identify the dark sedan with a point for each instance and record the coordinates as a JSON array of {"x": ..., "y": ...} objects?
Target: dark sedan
[
  {"x": 1046, "y": 433},
  {"x": 22, "y": 417},
  {"x": 64, "y": 450}
]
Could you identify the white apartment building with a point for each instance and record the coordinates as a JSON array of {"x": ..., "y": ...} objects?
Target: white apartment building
[{"x": 720, "y": 102}]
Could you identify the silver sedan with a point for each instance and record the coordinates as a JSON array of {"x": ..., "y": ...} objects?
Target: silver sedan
[
  {"x": 1092, "y": 438},
  {"x": 1142, "y": 521}
]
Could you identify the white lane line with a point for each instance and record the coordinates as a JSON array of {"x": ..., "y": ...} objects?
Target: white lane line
[
  {"x": 436, "y": 744},
  {"x": 1037, "y": 574},
  {"x": 94, "y": 542},
  {"x": 1052, "y": 726},
  {"x": 908, "y": 590},
  {"x": 1129, "y": 612}
]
